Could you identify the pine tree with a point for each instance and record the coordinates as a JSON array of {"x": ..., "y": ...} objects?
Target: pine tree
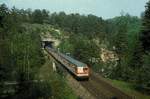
[
  {"x": 144, "y": 77},
  {"x": 145, "y": 36},
  {"x": 121, "y": 43}
]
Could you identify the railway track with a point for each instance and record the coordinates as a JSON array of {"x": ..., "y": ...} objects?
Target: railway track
[
  {"x": 95, "y": 91},
  {"x": 102, "y": 89},
  {"x": 99, "y": 88}
]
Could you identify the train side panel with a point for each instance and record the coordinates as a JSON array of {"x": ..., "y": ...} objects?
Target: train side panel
[
  {"x": 62, "y": 60},
  {"x": 78, "y": 71}
]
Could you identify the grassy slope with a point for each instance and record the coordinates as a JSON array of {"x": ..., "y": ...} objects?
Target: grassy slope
[
  {"x": 129, "y": 88},
  {"x": 55, "y": 80}
]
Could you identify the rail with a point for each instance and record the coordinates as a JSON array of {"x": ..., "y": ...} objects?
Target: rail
[{"x": 100, "y": 88}]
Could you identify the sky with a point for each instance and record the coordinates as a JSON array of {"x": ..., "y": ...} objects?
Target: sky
[{"x": 102, "y": 8}]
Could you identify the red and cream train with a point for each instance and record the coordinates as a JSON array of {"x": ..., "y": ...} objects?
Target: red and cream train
[{"x": 77, "y": 68}]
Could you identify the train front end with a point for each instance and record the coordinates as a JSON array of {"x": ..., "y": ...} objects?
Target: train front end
[{"x": 83, "y": 72}]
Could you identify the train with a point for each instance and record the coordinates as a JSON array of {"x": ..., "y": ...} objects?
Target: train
[{"x": 79, "y": 69}]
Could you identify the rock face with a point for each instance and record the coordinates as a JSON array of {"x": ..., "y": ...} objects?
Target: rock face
[
  {"x": 107, "y": 55},
  {"x": 109, "y": 60}
]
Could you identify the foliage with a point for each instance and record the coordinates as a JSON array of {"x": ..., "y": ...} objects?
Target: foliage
[
  {"x": 145, "y": 35},
  {"x": 145, "y": 71},
  {"x": 40, "y": 16},
  {"x": 129, "y": 88},
  {"x": 58, "y": 84},
  {"x": 145, "y": 40},
  {"x": 21, "y": 56}
]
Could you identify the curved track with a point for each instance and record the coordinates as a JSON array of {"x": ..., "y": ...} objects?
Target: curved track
[{"x": 102, "y": 89}]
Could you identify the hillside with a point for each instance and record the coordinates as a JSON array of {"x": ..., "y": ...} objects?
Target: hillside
[{"x": 117, "y": 49}]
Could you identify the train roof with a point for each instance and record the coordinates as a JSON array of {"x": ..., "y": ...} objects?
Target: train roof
[{"x": 74, "y": 61}]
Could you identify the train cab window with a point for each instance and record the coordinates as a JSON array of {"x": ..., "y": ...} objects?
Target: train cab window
[{"x": 85, "y": 69}]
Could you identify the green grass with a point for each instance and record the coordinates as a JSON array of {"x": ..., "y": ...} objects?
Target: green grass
[
  {"x": 60, "y": 89},
  {"x": 129, "y": 89}
]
